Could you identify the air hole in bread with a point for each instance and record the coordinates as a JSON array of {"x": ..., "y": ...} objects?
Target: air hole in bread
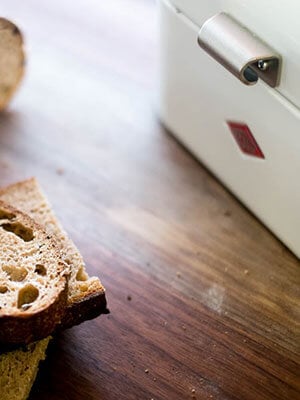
[
  {"x": 81, "y": 275},
  {"x": 27, "y": 295},
  {"x": 6, "y": 214},
  {"x": 40, "y": 269},
  {"x": 16, "y": 274},
  {"x": 3, "y": 289},
  {"x": 19, "y": 230}
]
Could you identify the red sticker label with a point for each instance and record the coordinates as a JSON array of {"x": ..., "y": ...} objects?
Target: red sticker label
[{"x": 245, "y": 139}]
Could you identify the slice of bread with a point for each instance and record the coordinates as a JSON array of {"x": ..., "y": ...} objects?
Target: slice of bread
[
  {"x": 33, "y": 282},
  {"x": 18, "y": 370},
  {"x": 12, "y": 60},
  {"x": 82, "y": 304},
  {"x": 86, "y": 296}
]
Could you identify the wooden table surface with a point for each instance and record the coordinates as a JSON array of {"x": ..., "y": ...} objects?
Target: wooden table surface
[{"x": 204, "y": 300}]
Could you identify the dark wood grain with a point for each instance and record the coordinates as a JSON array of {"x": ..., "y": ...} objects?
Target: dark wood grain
[{"x": 204, "y": 300}]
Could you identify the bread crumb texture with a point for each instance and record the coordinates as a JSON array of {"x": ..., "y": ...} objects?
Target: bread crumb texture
[{"x": 23, "y": 247}]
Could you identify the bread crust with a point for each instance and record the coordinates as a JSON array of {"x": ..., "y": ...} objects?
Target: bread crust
[
  {"x": 23, "y": 327},
  {"x": 30, "y": 328},
  {"x": 82, "y": 309}
]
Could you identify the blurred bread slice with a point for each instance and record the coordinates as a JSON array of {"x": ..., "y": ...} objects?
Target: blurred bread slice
[
  {"x": 18, "y": 370},
  {"x": 12, "y": 60}
]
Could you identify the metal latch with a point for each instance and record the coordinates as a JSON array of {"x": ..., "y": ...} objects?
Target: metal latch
[{"x": 239, "y": 50}]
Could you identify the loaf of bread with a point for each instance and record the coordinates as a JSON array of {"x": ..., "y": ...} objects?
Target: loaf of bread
[
  {"x": 33, "y": 279},
  {"x": 12, "y": 60},
  {"x": 86, "y": 298}
]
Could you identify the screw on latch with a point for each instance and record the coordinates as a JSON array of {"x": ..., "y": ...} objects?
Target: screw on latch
[{"x": 263, "y": 65}]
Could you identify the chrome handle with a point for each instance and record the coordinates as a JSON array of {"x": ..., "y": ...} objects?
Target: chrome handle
[{"x": 240, "y": 51}]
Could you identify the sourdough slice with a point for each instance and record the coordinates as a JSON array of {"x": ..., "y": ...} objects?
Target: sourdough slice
[
  {"x": 82, "y": 304},
  {"x": 18, "y": 370},
  {"x": 86, "y": 296},
  {"x": 33, "y": 282},
  {"x": 12, "y": 60}
]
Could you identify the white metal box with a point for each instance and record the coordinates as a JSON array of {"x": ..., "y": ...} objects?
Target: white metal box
[{"x": 199, "y": 99}]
